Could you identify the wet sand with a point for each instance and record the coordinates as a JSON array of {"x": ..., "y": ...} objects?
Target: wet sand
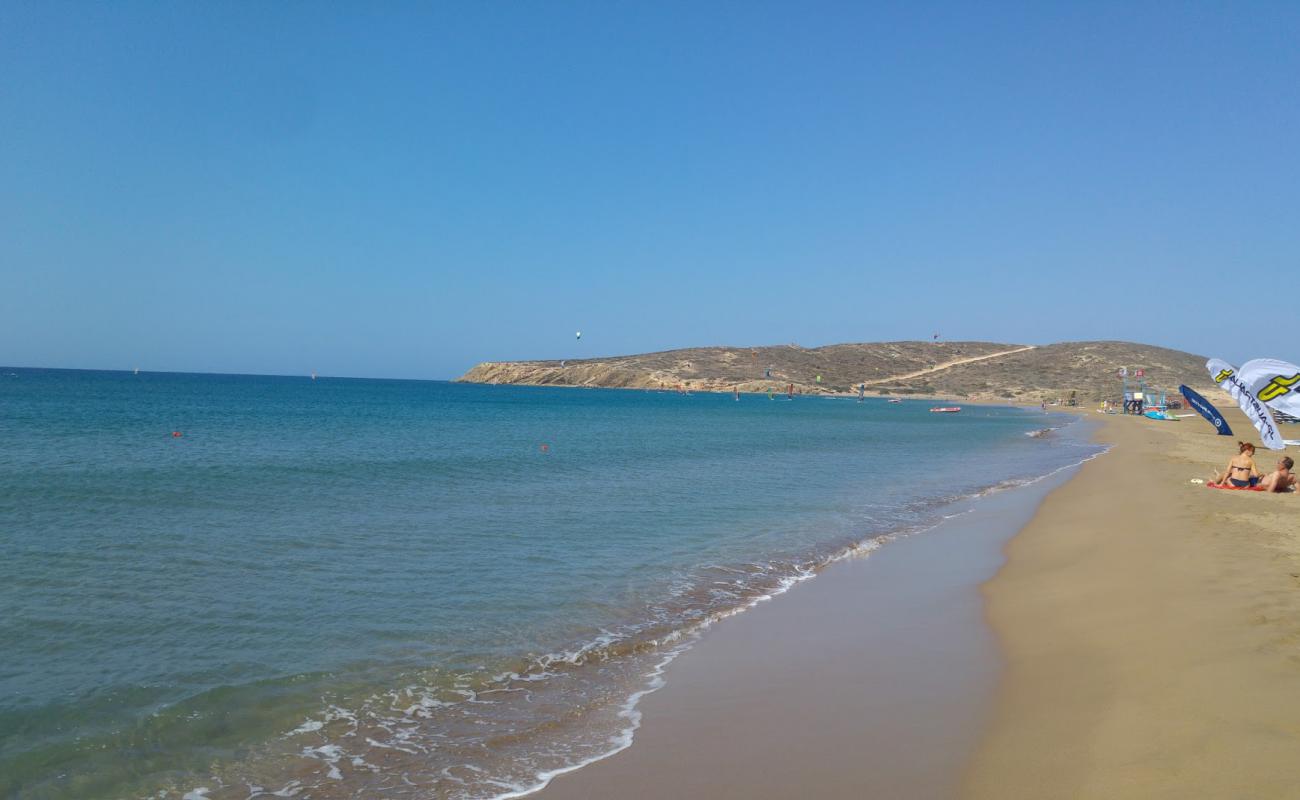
[
  {"x": 873, "y": 680},
  {"x": 1141, "y": 641},
  {"x": 1151, "y": 630}
]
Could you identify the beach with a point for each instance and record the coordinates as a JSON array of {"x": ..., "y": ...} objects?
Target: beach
[
  {"x": 702, "y": 597},
  {"x": 1143, "y": 641},
  {"x": 873, "y": 680},
  {"x": 1150, "y": 630}
]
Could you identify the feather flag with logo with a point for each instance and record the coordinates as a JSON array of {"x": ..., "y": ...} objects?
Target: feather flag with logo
[
  {"x": 1276, "y": 383},
  {"x": 1224, "y": 374},
  {"x": 1207, "y": 410}
]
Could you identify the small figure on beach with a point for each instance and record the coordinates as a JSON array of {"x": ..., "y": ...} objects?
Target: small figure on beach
[
  {"x": 1241, "y": 471},
  {"x": 1280, "y": 479}
]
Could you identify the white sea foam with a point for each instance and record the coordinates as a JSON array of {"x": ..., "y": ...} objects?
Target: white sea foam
[
  {"x": 395, "y": 720},
  {"x": 863, "y": 548}
]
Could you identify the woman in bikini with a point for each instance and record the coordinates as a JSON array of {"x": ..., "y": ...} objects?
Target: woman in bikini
[{"x": 1242, "y": 471}]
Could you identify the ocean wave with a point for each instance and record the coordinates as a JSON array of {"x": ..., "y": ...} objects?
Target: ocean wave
[{"x": 507, "y": 731}]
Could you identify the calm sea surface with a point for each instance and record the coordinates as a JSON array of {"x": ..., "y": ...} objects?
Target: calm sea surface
[{"x": 367, "y": 588}]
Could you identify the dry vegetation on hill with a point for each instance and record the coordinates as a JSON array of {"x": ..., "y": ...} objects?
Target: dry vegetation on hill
[{"x": 972, "y": 370}]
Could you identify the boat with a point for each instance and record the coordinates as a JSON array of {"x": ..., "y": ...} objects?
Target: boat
[
  {"x": 895, "y": 400},
  {"x": 946, "y": 410}
]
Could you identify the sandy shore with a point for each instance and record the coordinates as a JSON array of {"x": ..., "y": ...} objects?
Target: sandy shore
[
  {"x": 1151, "y": 631},
  {"x": 875, "y": 679},
  {"x": 1142, "y": 641}
]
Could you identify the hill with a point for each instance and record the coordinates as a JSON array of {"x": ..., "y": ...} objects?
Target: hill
[{"x": 970, "y": 370}]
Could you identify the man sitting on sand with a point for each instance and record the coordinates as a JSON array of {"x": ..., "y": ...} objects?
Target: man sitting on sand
[{"x": 1281, "y": 479}]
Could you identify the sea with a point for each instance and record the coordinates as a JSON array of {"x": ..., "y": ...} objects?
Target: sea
[{"x": 232, "y": 586}]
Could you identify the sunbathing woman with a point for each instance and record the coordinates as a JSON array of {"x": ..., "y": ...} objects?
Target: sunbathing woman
[
  {"x": 1281, "y": 479},
  {"x": 1242, "y": 471}
]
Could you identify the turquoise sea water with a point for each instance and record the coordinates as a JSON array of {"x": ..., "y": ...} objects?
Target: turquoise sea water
[{"x": 347, "y": 588}]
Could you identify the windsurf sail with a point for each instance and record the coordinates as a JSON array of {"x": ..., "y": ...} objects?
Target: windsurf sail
[{"x": 1206, "y": 409}]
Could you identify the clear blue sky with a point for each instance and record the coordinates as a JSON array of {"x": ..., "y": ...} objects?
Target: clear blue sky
[{"x": 387, "y": 189}]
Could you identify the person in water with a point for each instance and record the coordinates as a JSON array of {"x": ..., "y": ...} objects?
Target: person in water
[
  {"x": 1280, "y": 479},
  {"x": 1242, "y": 471}
]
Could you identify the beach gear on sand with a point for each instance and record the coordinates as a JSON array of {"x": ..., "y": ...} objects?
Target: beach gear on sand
[
  {"x": 1234, "y": 488},
  {"x": 1224, "y": 374}
]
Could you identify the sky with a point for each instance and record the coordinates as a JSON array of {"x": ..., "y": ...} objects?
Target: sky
[{"x": 406, "y": 189}]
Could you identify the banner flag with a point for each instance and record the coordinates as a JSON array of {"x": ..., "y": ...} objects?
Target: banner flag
[
  {"x": 1275, "y": 382},
  {"x": 1207, "y": 410},
  {"x": 1224, "y": 374}
]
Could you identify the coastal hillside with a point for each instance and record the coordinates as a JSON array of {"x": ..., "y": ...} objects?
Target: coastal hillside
[{"x": 970, "y": 370}]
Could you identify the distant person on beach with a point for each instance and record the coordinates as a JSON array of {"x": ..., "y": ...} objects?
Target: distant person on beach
[
  {"x": 1241, "y": 471},
  {"x": 1280, "y": 479}
]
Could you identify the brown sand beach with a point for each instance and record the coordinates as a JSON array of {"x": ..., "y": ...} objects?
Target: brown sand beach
[
  {"x": 1142, "y": 640},
  {"x": 1151, "y": 630}
]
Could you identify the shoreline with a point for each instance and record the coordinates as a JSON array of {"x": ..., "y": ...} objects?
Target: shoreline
[
  {"x": 983, "y": 402},
  {"x": 1151, "y": 641},
  {"x": 1144, "y": 646},
  {"x": 720, "y": 720}
]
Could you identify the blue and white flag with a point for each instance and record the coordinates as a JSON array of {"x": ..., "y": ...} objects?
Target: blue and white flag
[
  {"x": 1207, "y": 410},
  {"x": 1224, "y": 374}
]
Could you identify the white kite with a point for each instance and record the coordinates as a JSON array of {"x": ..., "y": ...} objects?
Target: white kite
[
  {"x": 1275, "y": 382},
  {"x": 1224, "y": 374}
]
